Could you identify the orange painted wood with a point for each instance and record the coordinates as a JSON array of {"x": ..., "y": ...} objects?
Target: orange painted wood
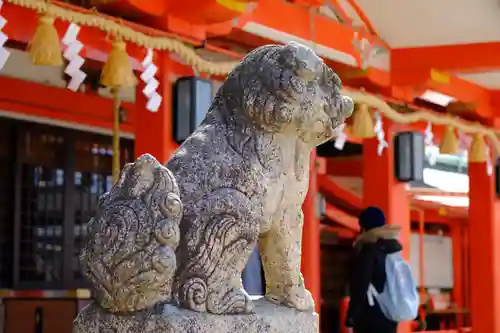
[
  {"x": 413, "y": 67},
  {"x": 484, "y": 222},
  {"x": 208, "y": 11},
  {"x": 327, "y": 186},
  {"x": 344, "y": 166},
  {"x": 470, "y": 57},
  {"x": 467, "y": 284},
  {"x": 209, "y": 16},
  {"x": 347, "y": 221},
  {"x": 311, "y": 251},
  {"x": 38, "y": 100},
  {"x": 295, "y": 20},
  {"x": 457, "y": 230},
  {"x": 311, "y": 3},
  {"x": 134, "y": 7},
  {"x": 343, "y": 307},
  {"x": 22, "y": 23}
]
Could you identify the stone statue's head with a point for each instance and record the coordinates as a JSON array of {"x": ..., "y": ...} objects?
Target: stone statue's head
[{"x": 286, "y": 89}]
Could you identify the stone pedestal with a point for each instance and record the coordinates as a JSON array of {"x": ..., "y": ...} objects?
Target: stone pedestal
[{"x": 268, "y": 318}]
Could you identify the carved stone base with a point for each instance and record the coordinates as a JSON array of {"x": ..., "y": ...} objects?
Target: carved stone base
[{"x": 268, "y": 318}]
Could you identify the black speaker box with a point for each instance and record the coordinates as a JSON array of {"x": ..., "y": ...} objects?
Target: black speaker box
[
  {"x": 409, "y": 153},
  {"x": 192, "y": 98}
]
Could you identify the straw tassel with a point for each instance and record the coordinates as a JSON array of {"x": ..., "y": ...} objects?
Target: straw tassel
[
  {"x": 449, "y": 145},
  {"x": 362, "y": 127},
  {"x": 118, "y": 72},
  {"x": 477, "y": 152},
  {"x": 45, "y": 47}
]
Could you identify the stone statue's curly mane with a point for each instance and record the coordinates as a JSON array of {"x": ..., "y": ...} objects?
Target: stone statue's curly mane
[
  {"x": 272, "y": 89},
  {"x": 130, "y": 255}
]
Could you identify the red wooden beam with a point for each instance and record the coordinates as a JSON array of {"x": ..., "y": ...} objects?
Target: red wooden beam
[
  {"x": 344, "y": 166},
  {"x": 348, "y": 221},
  {"x": 467, "y": 92},
  {"x": 42, "y": 101},
  {"x": 460, "y": 89},
  {"x": 282, "y": 21},
  {"x": 430, "y": 67},
  {"x": 327, "y": 185},
  {"x": 137, "y": 7},
  {"x": 471, "y": 57}
]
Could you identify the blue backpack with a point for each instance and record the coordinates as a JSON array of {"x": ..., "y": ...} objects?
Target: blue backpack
[{"x": 399, "y": 300}]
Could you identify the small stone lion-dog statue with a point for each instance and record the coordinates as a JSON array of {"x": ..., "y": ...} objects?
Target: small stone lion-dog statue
[{"x": 182, "y": 233}]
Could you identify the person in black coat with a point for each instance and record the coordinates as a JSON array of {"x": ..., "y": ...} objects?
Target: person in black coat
[{"x": 376, "y": 240}]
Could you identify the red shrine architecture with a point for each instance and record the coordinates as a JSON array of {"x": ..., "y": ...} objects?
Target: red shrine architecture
[{"x": 410, "y": 67}]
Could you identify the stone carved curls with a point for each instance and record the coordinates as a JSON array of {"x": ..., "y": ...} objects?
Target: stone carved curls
[
  {"x": 130, "y": 256},
  {"x": 242, "y": 176}
]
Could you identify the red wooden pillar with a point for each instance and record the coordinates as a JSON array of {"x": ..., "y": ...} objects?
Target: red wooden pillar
[
  {"x": 458, "y": 267},
  {"x": 310, "y": 240},
  {"x": 484, "y": 231},
  {"x": 382, "y": 190},
  {"x": 153, "y": 133},
  {"x": 467, "y": 285}
]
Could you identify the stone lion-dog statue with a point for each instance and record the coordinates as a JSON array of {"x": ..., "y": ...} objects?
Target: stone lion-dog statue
[{"x": 181, "y": 234}]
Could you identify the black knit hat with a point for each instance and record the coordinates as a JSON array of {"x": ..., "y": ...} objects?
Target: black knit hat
[{"x": 371, "y": 217}]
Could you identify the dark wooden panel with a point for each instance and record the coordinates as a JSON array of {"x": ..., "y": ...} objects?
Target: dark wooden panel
[
  {"x": 6, "y": 201},
  {"x": 335, "y": 269},
  {"x": 58, "y": 315}
]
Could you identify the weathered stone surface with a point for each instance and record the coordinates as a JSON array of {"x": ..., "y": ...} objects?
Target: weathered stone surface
[
  {"x": 130, "y": 254},
  {"x": 243, "y": 176},
  {"x": 182, "y": 233},
  {"x": 267, "y": 318}
]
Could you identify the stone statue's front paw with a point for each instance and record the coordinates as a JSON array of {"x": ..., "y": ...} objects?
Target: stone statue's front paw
[
  {"x": 300, "y": 299},
  {"x": 235, "y": 301},
  {"x": 297, "y": 298}
]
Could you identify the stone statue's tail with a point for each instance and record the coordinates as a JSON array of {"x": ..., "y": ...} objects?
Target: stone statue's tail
[{"x": 130, "y": 254}]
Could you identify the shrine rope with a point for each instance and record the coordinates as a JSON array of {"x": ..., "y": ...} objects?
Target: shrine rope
[
  {"x": 424, "y": 116},
  {"x": 191, "y": 58},
  {"x": 186, "y": 53}
]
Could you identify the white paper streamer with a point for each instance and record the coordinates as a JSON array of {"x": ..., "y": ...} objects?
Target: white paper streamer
[
  {"x": 464, "y": 143},
  {"x": 429, "y": 136},
  {"x": 4, "y": 53},
  {"x": 431, "y": 150},
  {"x": 489, "y": 165},
  {"x": 432, "y": 155},
  {"x": 151, "y": 84},
  {"x": 340, "y": 138},
  {"x": 75, "y": 61},
  {"x": 379, "y": 131}
]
